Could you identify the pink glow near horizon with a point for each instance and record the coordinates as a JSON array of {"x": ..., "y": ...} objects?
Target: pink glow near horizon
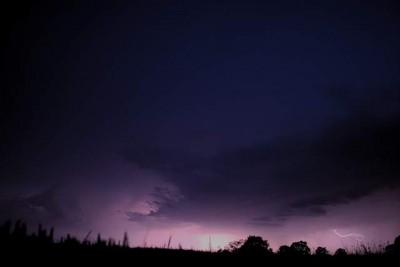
[{"x": 103, "y": 210}]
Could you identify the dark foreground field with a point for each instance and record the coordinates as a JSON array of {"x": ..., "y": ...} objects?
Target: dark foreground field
[
  {"x": 17, "y": 247},
  {"x": 58, "y": 255},
  {"x": 142, "y": 256}
]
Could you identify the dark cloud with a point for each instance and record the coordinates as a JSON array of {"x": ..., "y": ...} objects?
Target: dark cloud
[
  {"x": 334, "y": 199},
  {"x": 262, "y": 114},
  {"x": 15, "y": 208},
  {"x": 310, "y": 211},
  {"x": 161, "y": 201},
  {"x": 359, "y": 101},
  {"x": 266, "y": 221},
  {"x": 287, "y": 213},
  {"x": 46, "y": 201},
  {"x": 184, "y": 167},
  {"x": 350, "y": 159},
  {"x": 53, "y": 205},
  {"x": 166, "y": 195}
]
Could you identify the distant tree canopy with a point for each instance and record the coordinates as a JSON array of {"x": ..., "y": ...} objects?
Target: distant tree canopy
[
  {"x": 300, "y": 248},
  {"x": 234, "y": 245},
  {"x": 340, "y": 252},
  {"x": 284, "y": 250},
  {"x": 321, "y": 251},
  {"x": 397, "y": 242},
  {"x": 252, "y": 245},
  {"x": 394, "y": 248},
  {"x": 125, "y": 241}
]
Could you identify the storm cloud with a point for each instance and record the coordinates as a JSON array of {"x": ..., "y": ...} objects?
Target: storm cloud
[{"x": 274, "y": 118}]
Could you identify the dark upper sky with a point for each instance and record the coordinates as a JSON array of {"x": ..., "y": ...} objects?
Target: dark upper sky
[{"x": 198, "y": 118}]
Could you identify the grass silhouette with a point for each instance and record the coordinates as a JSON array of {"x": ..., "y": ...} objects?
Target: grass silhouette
[{"x": 19, "y": 246}]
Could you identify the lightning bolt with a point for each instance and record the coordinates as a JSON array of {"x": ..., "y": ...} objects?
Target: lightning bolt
[{"x": 358, "y": 237}]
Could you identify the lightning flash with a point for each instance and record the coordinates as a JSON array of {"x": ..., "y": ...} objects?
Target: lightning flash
[{"x": 358, "y": 237}]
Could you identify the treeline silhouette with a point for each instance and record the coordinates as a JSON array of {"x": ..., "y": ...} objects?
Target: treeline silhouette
[{"x": 16, "y": 243}]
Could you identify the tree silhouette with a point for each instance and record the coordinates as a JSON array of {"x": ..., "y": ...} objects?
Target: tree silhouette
[
  {"x": 51, "y": 235},
  {"x": 393, "y": 248},
  {"x": 300, "y": 248},
  {"x": 255, "y": 245},
  {"x": 390, "y": 249},
  {"x": 397, "y": 242},
  {"x": 340, "y": 252},
  {"x": 125, "y": 242},
  {"x": 321, "y": 251},
  {"x": 14, "y": 240},
  {"x": 284, "y": 251},
  {"x": 234, "y": 245}
]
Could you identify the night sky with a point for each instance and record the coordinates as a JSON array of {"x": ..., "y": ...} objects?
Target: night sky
[{"x": 198, "y": 119}]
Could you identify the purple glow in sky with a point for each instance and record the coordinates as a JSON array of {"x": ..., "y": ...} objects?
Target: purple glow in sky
[{"x": 203, "y": 122}]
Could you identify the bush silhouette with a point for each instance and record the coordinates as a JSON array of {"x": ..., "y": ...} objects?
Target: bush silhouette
[
  {"x": 397, "y": 243},
  {"x": 300, "y": 248},
  {"x": 284, "y": 251},
  {"x": 125, "y": 241},
  {"x": 255, "y": 245},
  {"x": 252, "y": 245},
  {"x": 234, "y": 245},
  {"x": 321, "y": 251},
  {"x": 394, "y": 249},
  {"x": 340, "y": 252}
]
